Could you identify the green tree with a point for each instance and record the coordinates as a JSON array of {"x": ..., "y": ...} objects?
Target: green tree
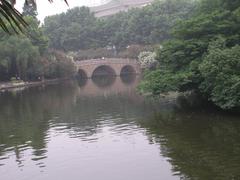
[
  {"x": 221, "y": 75},
  {"x": 28, "y": 57},
  {"x": 20, "y": 55},
  {"x": 29, "y": 9},
  {"x": 79, "y": 29},
  {"x": 73, "y": 30},
  {"x": 195, "y": 46}
]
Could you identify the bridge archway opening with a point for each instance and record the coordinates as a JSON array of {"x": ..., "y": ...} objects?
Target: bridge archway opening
[
  {"x": 103, "y": 81},
  {"x": 82, "y": 74},
  {"x": 127, "y": 70},
  {"x": 128, "y": 79},
  {"x": 81, "y": 78},
  {"x": 103, "y": 70}
]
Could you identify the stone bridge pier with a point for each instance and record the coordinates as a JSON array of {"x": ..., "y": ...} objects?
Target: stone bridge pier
[{"x": 108, "y": 66}]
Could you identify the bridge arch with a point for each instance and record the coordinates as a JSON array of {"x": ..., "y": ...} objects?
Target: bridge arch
[
  {"x": 127, "y": 69},
  {"x": 129, "y": 79},
  {"x": 82, "y": 74},
  {"x": 103, "y": 70}
]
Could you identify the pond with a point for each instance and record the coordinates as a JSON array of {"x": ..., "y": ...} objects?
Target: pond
[{"x": 101, "y": 129}]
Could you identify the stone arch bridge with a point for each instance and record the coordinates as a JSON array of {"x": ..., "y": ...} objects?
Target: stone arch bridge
[{"x": 107, "y": 66}]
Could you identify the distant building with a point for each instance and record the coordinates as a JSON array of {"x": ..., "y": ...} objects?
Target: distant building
[{"x": 116, "y": 6}]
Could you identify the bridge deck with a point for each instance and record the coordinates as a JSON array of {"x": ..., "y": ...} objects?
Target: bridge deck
[{"x": 106, "y": 61}]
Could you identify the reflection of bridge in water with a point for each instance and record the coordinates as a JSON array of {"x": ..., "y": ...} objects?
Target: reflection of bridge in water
[
  {"x": 108, "y": 66},
  {"x": 108, "y": 85}
]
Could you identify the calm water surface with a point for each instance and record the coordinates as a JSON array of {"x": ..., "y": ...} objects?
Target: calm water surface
[{"x": 102, "y": 130}]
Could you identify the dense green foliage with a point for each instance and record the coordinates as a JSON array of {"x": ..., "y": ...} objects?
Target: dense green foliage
[
  {"x": 18, "y": 55},
  {"x": 26, "y": 56},
  {"x": 79, "y": 29},
  {"x": 221, "y": 72},
  {"x": 203, "y": 55}
]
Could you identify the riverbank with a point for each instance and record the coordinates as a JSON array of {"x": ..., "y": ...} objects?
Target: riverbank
[{"x": 12, "y": 85}]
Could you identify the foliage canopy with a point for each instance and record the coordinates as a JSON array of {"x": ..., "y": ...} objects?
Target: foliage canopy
[
  {"x": 203, "y": 55},
  {"x": 79, "y": 29}
]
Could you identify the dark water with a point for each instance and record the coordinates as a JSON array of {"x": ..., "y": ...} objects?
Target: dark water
[{"x": 102, "y": 130}]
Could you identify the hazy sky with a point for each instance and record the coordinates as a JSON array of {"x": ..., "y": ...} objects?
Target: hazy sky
[{"x": 45, "y": 8}]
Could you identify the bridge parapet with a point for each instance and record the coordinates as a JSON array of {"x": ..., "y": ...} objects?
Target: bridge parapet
[{"x": 106, "y": 61}]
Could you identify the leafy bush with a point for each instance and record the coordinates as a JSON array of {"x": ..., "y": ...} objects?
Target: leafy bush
[
  {"x": 220, "y": 70},
  {"x": 58, "y": 65},
  {"x": 203, "y": 56}
]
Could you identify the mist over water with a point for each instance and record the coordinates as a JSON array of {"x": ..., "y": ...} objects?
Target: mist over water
[{"x": 102, "y": 129}]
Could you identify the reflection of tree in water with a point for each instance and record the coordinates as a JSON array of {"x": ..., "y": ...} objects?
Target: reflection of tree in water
[
  {"x": 24, "y": 119},
  {"x": 88, "y": 114},
  {"x": 87, "y": 117},
  {"x": 199, "y": 145}
]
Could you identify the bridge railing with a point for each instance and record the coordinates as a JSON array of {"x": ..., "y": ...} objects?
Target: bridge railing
[{"x": 106, "y": 61}]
